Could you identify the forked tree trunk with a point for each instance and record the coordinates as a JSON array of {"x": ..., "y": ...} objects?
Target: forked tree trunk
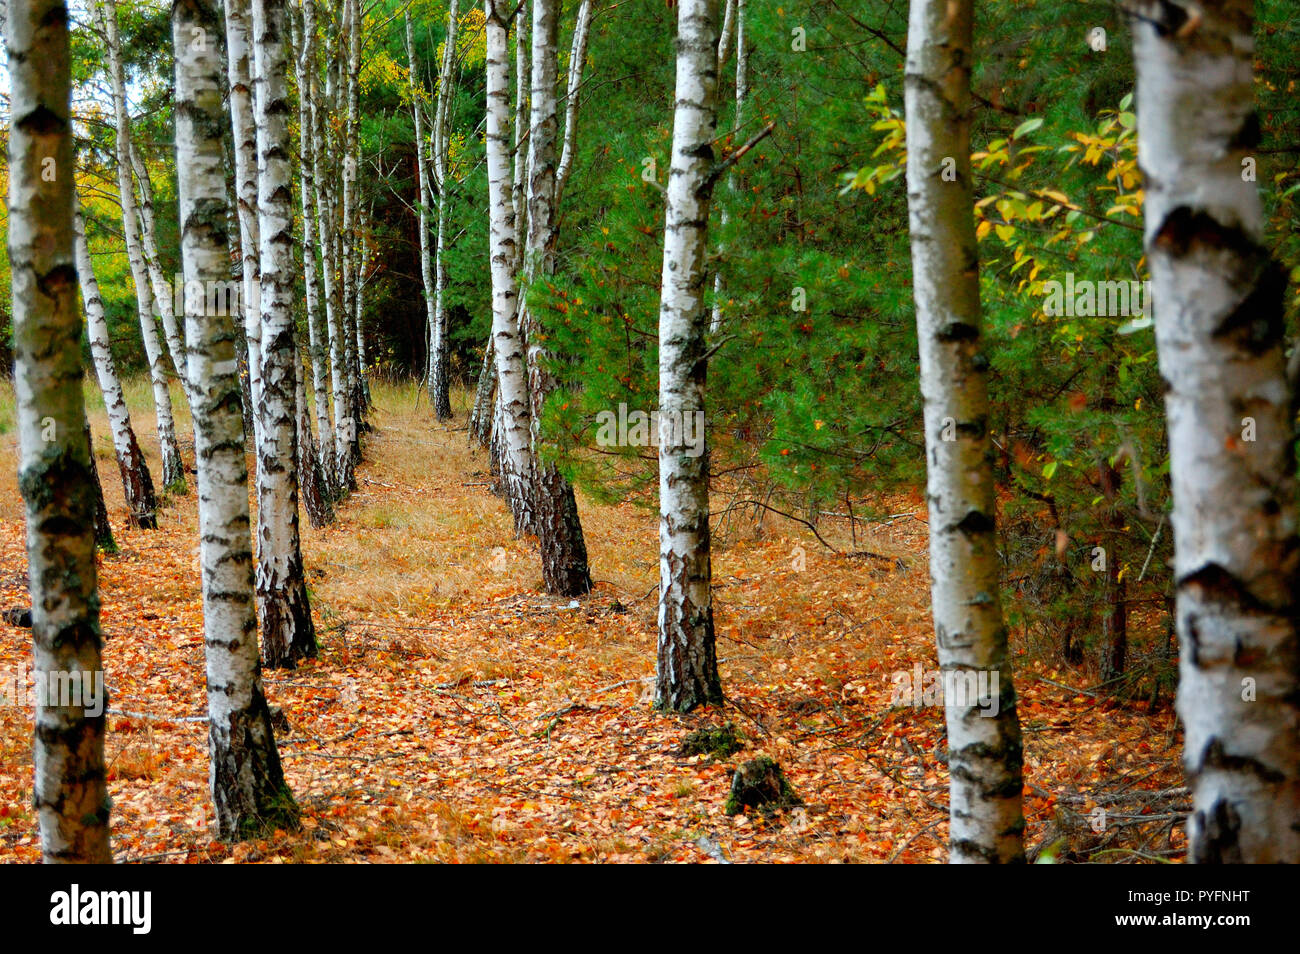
[
  {"x": 559, "y": 530},
  {"x": 1219, "y": 322},
  {"x": 69, "y": 795},
  {"x": 137, "y": 484},
  {"x": 686, "y": 672},
  {"x": 288, "y": 634},
  {"x": 249, "y": 793},
  {"x": 173, "y": 469},
  {"x": 985, "y": 820},
  {"x": 508, "y": 348}
]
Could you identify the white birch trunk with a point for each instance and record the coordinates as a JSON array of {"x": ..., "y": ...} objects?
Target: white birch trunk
[
  {"x": 1219, "y": 322},
  {"x": 316, "y": 334},
  {"x": 512, "y": 378},
  {"x": 439, "y": 379},
  {"x": 519, "y": 152},
  {"x": 344, "y": 421},
  {"x": 736, "y": 10},
  {"x": 985, "y": 820},
  {"x": 577, "y": 61},
  {"x": 162, "y": 288},
  {"x": 416, "y": 89},
  {"x": 285, "y": 617},
  {"x": 70, "y": 796},
  {"x": 137, "y": 483},
  {"x": 348, "y": 236},
  {"x": 247, "y": 784},
  {"x": 239, "y": 53},
  {"x": 686, "y": 673},
  {"x": 559, "y": 530},
  {"x": 172, "y": 467}
]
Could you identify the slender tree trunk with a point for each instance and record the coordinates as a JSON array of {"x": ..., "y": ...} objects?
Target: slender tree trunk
[
  {"x": 103, "y": 528},
  {"x": 137, "y": 484},
  {"x": 480, "y": 421},
  {"x": 244, "y": 132},
  {"x": 735, "y": 8},
  {"x": 247, "y": 784},
  {"x": 348, "y": 237},
  {"x": 519, "y": 151},
  {"x": 316, "y": 498},
  {"x": 559, "y": 531},
  {"x": 172, "y": 468},
  {"x": 687, "y": 666},
  {"x": 577, "y": 62},
  {"x": 508, "y": 347},
  {"x": 344, "y": 420},
  {"x": 439, "y": 356},
  {"x": 316, "y": 333},
  {"x": 1115, "y": 618},
  {"x": 416, "y": 88},
  {"x": 285, "y": 617},
  {"x": 1219, "y": 322},
  {"x": 69, "y": 795},
  {"x": 985, "y": 820},
  {"x": 162, "y": 288}
]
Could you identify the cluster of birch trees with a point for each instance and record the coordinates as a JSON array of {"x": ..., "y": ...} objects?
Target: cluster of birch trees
[{"x": 1219, "y": 330}]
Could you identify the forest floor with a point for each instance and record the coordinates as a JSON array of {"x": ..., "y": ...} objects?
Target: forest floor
[{"x": 458, "y": 713}]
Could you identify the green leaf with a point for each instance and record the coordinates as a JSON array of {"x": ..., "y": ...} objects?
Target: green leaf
[
  {"x": 1028, "y": 126},
  {"x": 1049, "y": 469}
]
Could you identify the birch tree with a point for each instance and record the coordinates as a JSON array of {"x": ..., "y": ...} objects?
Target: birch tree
[
  {"x": 736, "y": 13},
  {"x": 1219, "y": 322},
  {"x": 162, "y": 288},
  {"x": 686, "y": 673},
  {"x": 573, "y": 90},
  {"x": 69, "y": 795},
  {"x": 244, "y": 133},
  {"x": 137, "y": 483},
  {"x": 416, "y": 90},
  {"x": 323, "y": 179},
  {"x": 985, "y": 820},
  {"x": 287, "y": 631},
  {"x": 508, "y": 349},
  {"x": 559, "y": 531},
  {"x": 439, "y": 385},
  {"x": 350, "y": 259},
  {"x": 172, "y": 468},
  {"x": 245, "y": 777},
  {"x": 317, "y": 337}
]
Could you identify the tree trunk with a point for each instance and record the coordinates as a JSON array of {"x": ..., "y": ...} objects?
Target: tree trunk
[
  {"x": 480, "y": 419},
  {"x": 1114, "y": 625},
  {"x": 316, "y": 498},
  {"x": 103, "y": 528},
  {"x": 687, "y": 667},
  {"x": 577, "y": 60},
  {"x": 162, "y": 288},
  {"x": 285, "y": 617},
  {"x": 985, "y": 820},
  {"x": 1219, "y": 322},
  {"x": 512, "y": 379},
  {"x": 344, "y": 419},
  {"x": 244, "y": 131},
  {"x": 316, "y": 334},
  {"x": 248, "y": 789},
  {"x": 137, "y": 484},
  {"x": 172, "y": 468},
  {"x": 735, "y": 8},
  {"x": 69, "y": 795},
  {"x": 519, "y": 151},
  {"x": 348, "y": 235},
  {"x": 559, "y": 531}
]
